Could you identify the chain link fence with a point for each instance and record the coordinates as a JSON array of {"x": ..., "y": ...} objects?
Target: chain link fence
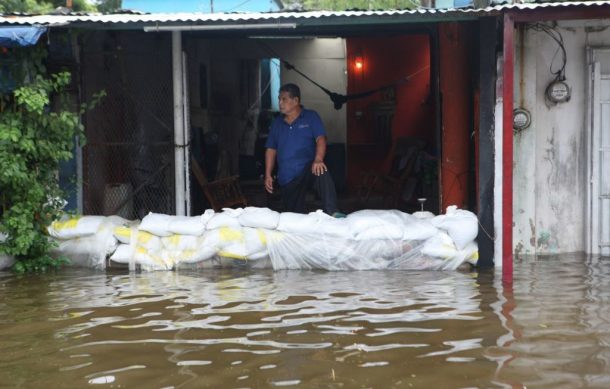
[{"x": 128, "y": 160}]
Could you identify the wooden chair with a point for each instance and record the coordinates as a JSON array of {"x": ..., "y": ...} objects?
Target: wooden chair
[
  {"x": 390, "y": 185},
  {"x": 221, "y": 193}
]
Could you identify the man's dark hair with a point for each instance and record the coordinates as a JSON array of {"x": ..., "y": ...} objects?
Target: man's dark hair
[{"x": 292, "y": 89}]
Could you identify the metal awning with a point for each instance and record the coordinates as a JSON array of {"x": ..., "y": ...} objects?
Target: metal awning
[{"x": 308, "y": 19}]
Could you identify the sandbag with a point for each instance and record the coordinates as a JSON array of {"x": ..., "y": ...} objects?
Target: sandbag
[
  {"x": 388, "y": 224},
  {"x": 185, "y": 225},
  {"x": 227, "y": 218},
  {"x": 75, "y": 227},
  {"x": 461, "y": 225},
  {"x": 259, "y": 218},
  {"x": 156, "y": 223}
]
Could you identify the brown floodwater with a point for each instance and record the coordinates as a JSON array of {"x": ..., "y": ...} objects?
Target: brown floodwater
[{"x": 242, "y": 328}]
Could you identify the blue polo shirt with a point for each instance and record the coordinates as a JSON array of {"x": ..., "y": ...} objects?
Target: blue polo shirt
[{"x": 295, "y": 143}]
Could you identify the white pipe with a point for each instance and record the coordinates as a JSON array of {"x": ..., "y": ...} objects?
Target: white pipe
[
  {"x": 219, "y": 27},
  {"x": 498, "y": 183},
  {"x": 187, "y": 136},
  {"x": 178, "y": 122}
]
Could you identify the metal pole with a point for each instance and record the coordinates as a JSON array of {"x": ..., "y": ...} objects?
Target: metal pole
[
  {"x": 507, "y": 150},
  {"x": 178, "y": 122}
]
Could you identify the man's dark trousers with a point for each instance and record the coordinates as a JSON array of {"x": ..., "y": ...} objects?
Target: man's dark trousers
[{"x": 294, "y": 192}]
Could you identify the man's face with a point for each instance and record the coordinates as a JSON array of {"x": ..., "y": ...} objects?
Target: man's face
[{"x": 288, "y": 104}]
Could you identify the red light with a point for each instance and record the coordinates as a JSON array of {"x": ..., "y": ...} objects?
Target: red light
[{"x": 358, "y": 63}]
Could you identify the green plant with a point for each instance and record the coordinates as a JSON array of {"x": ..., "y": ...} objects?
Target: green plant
[{"x": 33, "y": 140}]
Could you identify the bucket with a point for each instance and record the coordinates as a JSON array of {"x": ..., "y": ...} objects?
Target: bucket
[{"x": 116, "y": 194}]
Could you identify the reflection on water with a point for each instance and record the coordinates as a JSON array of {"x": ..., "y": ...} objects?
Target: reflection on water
[{"x": 378, "y": 329}]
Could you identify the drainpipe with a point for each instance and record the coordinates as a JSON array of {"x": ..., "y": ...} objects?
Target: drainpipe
[
  {"x": 507, "y": 149},
  {"x": 179, "y": 160}
]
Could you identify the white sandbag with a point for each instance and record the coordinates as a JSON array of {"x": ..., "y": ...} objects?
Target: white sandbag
[
  {"x": 461, "y": 225},
  {"x": 185, "y": 225},
  {"x": 157, "y": 224},
  {"x": 440, "y": 246},
  {"x": 471, "y": 253},
  {"x": 207, "y": 215},
  {"x": 123, "y": 234},
  {"x": 123, "y": 254},
  {"x": 374, "y": 224},
  {"x": 227, "y": 218},
  {"x": 423, "y": 214},
  {"x": 244, "y": 243},
  {"x": 259, "y": 218},
  {"x": 88, "y": 251},
  {"x": 389, "y": 224},
  {"x": 149, "y": 241},
  {"x": 181, "y": 242},
  {"x": 75, "y": 227},
  {"x": 152, "y": 260},
  {"x": 298, "y": 223},
  {"x": 333, "y": 227}
]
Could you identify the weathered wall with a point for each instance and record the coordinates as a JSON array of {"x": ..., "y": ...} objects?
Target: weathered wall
[{"x": 550, "y": 161}]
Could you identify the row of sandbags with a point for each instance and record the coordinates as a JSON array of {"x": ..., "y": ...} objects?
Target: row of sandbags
[{"x": 367, "y": 239}]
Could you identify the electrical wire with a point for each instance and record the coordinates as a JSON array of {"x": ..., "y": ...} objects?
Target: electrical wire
[
  {"x": 339, "y": 99},
  {"x": 552, "y": 32}
]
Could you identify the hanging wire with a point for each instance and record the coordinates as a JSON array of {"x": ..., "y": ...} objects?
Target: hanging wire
[
  {"x": 553, "y": 32},
  {"x": 339, "y": 99}
]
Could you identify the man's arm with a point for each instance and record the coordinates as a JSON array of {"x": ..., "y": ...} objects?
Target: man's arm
[
  {"x": 318, "y": 167},
  {"x": 270, "y": 155}
]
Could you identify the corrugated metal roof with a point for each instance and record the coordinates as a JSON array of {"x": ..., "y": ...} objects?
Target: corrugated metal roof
[{"x": 255, "y": 17}]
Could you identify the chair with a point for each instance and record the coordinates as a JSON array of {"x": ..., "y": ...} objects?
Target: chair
[
  {"x": 221, "y": 193},
  {"x": 391, "y": 186}
]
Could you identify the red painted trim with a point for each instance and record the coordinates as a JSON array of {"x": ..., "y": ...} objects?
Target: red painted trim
[{"x": 507, "y": 150}]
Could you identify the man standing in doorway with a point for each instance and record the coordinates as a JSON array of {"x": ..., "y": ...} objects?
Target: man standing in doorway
[{"x": 298, "y": 141}]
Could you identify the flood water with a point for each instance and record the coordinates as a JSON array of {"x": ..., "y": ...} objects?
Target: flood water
[{"x": 259, "y": 328}]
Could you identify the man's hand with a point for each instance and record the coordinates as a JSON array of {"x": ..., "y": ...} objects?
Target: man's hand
[
  {"x": 269, "y": 184},
  {"x": 318, "y": 168}
]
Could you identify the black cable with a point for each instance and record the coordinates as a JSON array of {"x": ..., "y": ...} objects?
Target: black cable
[
  {"x": 339, "y": 99},
  {"x": 558, "y": 38}
]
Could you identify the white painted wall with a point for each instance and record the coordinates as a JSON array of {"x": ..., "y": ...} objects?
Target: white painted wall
[
  {"x": 322, "y": 59},
  {"x": 550, "y": 161}
]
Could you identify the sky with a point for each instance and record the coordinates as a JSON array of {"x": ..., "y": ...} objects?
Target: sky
[{"x": 199, "y": 5}]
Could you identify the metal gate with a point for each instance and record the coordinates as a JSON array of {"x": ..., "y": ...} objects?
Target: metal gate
[{"x": 128, "y": 158}]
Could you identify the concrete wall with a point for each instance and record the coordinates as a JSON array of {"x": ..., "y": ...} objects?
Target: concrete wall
[
  {"x": 322, "y": 59},
  {"x": 550, "y": 160}
]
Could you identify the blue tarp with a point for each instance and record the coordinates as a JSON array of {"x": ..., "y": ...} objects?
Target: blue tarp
[{"x": 20, "y": 36}]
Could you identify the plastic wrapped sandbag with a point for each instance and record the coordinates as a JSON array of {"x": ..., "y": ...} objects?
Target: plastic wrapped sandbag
[
  {"x": 298, "y": 223},
  {"x": 423, "y": 214},
  {"x": 440, "y": 246},
  {"x": 89, "y": 251},
  {"x": 227, "y": 218},
  {"x": 75, "y": 227},
  {"x": 314, "y": 223},
  {"x": 312, "y": 251},
  {"x": 461, "y": 225},
  {"x": 259, "y": 218},
  {"x": 388, "y": 224}
]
